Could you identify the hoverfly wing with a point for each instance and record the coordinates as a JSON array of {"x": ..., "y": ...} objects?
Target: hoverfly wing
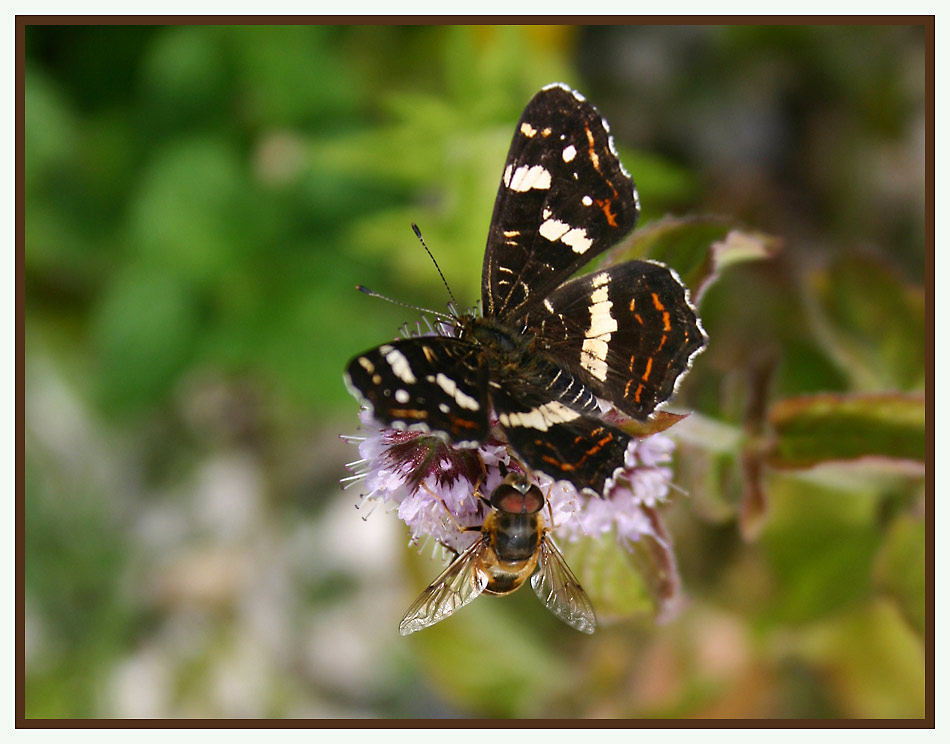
[
  {"x": 455, "y": 587},
  {"x": 559, "y": 589}
]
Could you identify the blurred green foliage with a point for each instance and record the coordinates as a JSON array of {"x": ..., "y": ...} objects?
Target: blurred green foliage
[{"x": 200, "y": 202}]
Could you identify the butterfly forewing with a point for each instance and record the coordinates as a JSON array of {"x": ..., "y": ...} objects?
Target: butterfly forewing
[
  {"x": 434, "y": 384},
  {"x": 628, "y": 332},
  {"x": 455, "y": 587},
  {"x": 564, "y": 197},
  {"x": 561, "y": 592}
]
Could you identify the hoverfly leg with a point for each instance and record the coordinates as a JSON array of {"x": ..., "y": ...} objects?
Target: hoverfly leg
[
  {"x": 547, "y": 502},
  {"x": 448, "y": 511}
]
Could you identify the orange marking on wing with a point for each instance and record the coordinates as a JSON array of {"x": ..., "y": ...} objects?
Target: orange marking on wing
[
  {"x": 599, "y": 446},
  {"x": 656, "y": 302},
  {"x": 639, "y": 319},
  {"x": 633, "y": 303},
  {"x": 649, "y": 367},
  {"x": 604, "y": 205},
  {"x": 430, "y": 355},
  {"x": 632, "y": 360},
  {"x": 636, "y": 395},
  {"x": 411, "y": 413},
  {"x": 662, "y": 341},
  {"x": 666, "y": 321},
  {"x": 465, "y": 424},
  {"x": 563, "y": 466},
  {"x": 626, "y": 389}
]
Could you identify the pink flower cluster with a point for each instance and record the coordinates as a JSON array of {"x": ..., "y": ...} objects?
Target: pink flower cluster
[{"x": 432, "y": 486}]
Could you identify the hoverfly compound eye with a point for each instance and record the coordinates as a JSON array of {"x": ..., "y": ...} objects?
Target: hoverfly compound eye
[
  {"x": 512, "y": 500},
  {"x": 507, "y": 499},
  {"x": 533, "y": 500}
]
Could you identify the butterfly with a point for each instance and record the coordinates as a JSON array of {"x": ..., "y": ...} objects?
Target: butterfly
[{"x": 546, "y": 349}]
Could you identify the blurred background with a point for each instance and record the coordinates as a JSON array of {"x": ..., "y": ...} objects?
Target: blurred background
[{"x": 201, "y": 201}]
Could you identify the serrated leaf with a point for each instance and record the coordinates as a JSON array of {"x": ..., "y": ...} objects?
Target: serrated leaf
[
  {"x": 810, "y": 430},
  {"x": 699, "y": 248}
]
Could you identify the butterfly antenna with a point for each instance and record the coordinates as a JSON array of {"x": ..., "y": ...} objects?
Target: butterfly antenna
[
  {"x": 371, "y": 293},
  {"x": 418, "y": 232}
]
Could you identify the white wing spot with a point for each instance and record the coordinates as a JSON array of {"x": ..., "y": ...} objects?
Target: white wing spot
[
  {"x": 602, "y": 325},
  {"x": 507, "y": 177},
  {"x": 528, "y": 177},
  {"x": 576, "y": 238},
  {"x": 587, "y": 201},
  {"x": 451, "y": 389},
  {"x": 366, "y": 364},
  {"x": 541, "y": 418},
  {"x": 578, "y": 241},
  {"x": 527, "y": 130},
  {"x": 568, "y": 153},
  {"x": 402, "y": 396},
  {"x": 399, "y": 364},
  {"x": 553, "y": 229}
]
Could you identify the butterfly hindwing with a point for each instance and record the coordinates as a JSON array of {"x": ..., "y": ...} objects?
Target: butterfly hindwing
[
  {"x": 564, "y": 197},
  {"x": 628, "y": 332},
  {"x": 432, "y": 384},
  {"x": 555, "y": 439}
]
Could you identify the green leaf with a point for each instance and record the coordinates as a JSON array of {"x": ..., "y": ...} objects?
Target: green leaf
[
  {"x": 872, "y": 664},
  {"x": 810, "y": 430},
  {"x": 615, "y": 586},
  {"x": 821, "y": 548},
  {"x": 900, "y": 569},
  {"x": 699, "y": 248},
  {"x": 871, "y": 322},
  {"x": 656, "y": 562}
]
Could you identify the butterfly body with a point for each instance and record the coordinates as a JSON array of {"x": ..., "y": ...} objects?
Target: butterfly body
[{"x": 546, "y": 349}]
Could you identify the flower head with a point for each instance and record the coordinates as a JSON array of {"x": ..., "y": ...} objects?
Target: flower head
[{"x": 435, "y": 487}]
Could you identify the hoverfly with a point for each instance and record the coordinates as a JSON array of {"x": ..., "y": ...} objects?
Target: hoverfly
[{"x": 514, "y": 545}]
